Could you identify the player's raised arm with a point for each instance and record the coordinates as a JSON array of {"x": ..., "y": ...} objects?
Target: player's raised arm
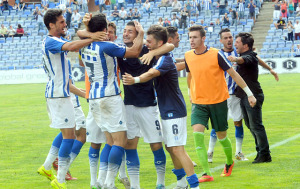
[
  {"x": 150, "y": 74},
  {"x": 134, "y": 51},
  {"x": 165, "y": 48}
]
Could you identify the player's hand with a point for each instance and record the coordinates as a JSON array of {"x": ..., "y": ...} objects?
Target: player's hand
[
  {"x": 252, "y": 101},
  {"x": 138, "y": 27},
  {"x": 231, "y": 58},
  {"x": 86, "y": 19},
  {"x": 146, "y": 58},
  {"x": 99, "y": 36},
  {"x": 127, "y": 79},
  {"x": 274, "y": 74}
]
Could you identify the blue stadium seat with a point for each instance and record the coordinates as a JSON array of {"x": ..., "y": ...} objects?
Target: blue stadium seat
[
  {"x": 266, "y": 45},
  {"x": 286, "y": 49},
  {"x": 281, "y": 44},
  {"x": 285, "y": 55},
  {"x": 276, "y": 38},
  {"x": 27, "y": 67},
  {"x": 262, "y": 55},
  {"x": 269, "y": 38},
  {"x": 289, "y": 44},
  {"x": 276, "y": 55},
  {"x": 279, "y": 50},
  {"x": 23, "y": 62},
  {"x": 271, "y": 50},
  {"x": 273, "y": 44},
  {"x": 271, "y": 32},
  {"x": 268, "y": 55},
  {"x": 2, "y": 63},
  {"x": 278, "y": 32},
  {"x": 264, "y": 50}
]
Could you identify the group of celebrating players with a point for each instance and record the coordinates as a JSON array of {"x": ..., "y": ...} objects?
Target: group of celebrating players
[{"x": 153, "y": 105}]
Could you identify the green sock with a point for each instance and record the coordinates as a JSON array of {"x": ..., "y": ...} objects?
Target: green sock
[
  {"x": 226, "y": 143},
  {"x": 201, "y": 151}
]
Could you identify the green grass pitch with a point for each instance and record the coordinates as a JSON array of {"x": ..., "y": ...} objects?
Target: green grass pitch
[{"x": 25, "y": 139}]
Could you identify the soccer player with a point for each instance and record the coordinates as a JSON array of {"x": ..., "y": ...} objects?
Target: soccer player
[
  {"x": 141, "y": 110},
  {"x": 248, "y": 69},
  {"x": 57, "y": 93},
  {"x": 233, "y": 103},
  {"x": 105, "y": 101},
  {"x": 94, "y": 133},
  {"x": 209, "y": 94},
  {"x": 171, "y": 106},
  {"x": 173, "y": 38}
]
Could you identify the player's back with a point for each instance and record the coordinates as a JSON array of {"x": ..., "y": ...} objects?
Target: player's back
[
  {"x": 99, "y": 59},
  {"x": 56, "y": 67}
]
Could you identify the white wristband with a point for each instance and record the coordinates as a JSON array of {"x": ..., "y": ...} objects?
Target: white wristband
[
  {"x": 248, "y": 91},
  {"x": 137, "y": 79}
]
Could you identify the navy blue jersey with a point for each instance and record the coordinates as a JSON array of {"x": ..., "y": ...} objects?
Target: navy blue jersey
[
  {"x": 141, "y": 94},
  {"x": 170, "y": 100}
]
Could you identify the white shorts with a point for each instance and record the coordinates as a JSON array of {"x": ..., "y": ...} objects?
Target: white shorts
[
  {"x": 61, "y": 113},
  {"x": 175, "y": 131},
  {"x": 93, "y": 132},
  {"x": 79, "y": 118},
  {"x": 144, "y": 121},
  {"x": 109, "y": 113},
  {"x": 234, "y": 108}
]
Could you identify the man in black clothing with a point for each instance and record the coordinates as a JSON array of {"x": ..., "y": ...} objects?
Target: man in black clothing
[
  {"x": 184, "y": 14},
  {"x": 280, "y": 24},
  {"x": 248, "y": 69}
]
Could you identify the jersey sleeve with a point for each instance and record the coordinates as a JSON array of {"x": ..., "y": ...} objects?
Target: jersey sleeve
[
  {"x": 114, "y": 50},
  {"x": 54, "y": 45},
  {"x": 249, "y": 59},
  {"x": 223, "y": 62},
  {"x": 187, "y": 69},
  {"x": 163, "y": 65}
]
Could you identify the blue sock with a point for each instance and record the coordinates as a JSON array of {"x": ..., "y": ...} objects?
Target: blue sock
[
  {"x": 160, "y": 165},
  {"x": 132, "y": 162},
  {"x": 193, "y": 181},
  {"x": 93, "y": 159},
  {"x": 213, "y": 133},
  {"x": 239, "y": 132},
  {"x": 105, "y": 153},
  {"x": 65, "y": 148},
  {"x": 180, "y": 173},
  {"x": 116, "y": 154},
  {"x": 239, "y": 136},
  {"x": 77, "y": 145},
  {"x": 94, "y": 153},
  {"x": 57, "y": 141}
]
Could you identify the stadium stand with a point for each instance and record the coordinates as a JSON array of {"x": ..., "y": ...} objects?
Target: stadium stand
[{"x": 23, "y": 52}]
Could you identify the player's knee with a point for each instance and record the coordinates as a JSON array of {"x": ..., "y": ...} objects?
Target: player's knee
[
  {"x": 176, "y": 150},
  {"x": 156, "y": 146},
  {"x": 96, "y": 146}
]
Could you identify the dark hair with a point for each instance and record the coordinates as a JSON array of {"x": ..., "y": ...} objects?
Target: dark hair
[
  {"x": 98, "y": 23},
  {"x": 246, "y": 38},
  {"x": 198, "y": 28},
  {"x": 51, "y": 17},
  {"x": 223, "y": 31},
  {"x": 113, "y": 25},
  {"x": 130, "y": 23},
  {"x": 158, "y": 32},
  {"x": 19, "y": 26},
  {"x": 172, "y": 31}
]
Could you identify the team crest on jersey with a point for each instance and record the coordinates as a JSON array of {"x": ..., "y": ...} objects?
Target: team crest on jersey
[{"x": 120, "y": 122}]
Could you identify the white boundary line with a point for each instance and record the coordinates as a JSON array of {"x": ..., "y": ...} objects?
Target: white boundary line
[{"x": 249, "y": 155}]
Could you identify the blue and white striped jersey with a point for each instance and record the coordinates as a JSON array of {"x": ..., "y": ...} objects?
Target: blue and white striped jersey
[
  {"x": 100, "y": 62},
  {"x": 241, "y": 6},
  {"x": 74, "y": 97},
  {"x": 230, "y": 82},
  {"x": 206, "y": 4},
  {"x": 56, "y": 67}
]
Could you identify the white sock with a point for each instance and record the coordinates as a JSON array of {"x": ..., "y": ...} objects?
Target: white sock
[
  {"x": 53, "y": 153},
  {"x": 93, "y": 170},
  {"x": 196, "y": 187},
  {"x": 182, "y": 182},
  {"x": 102, "y": 173},
  {"x": 63, "y": 166},
  {"x": 239, "y": 142},
  {"x": 212, "y": 143},
  {"x": 112, "y": 172},
  {"x": 122, "y": 171}
]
